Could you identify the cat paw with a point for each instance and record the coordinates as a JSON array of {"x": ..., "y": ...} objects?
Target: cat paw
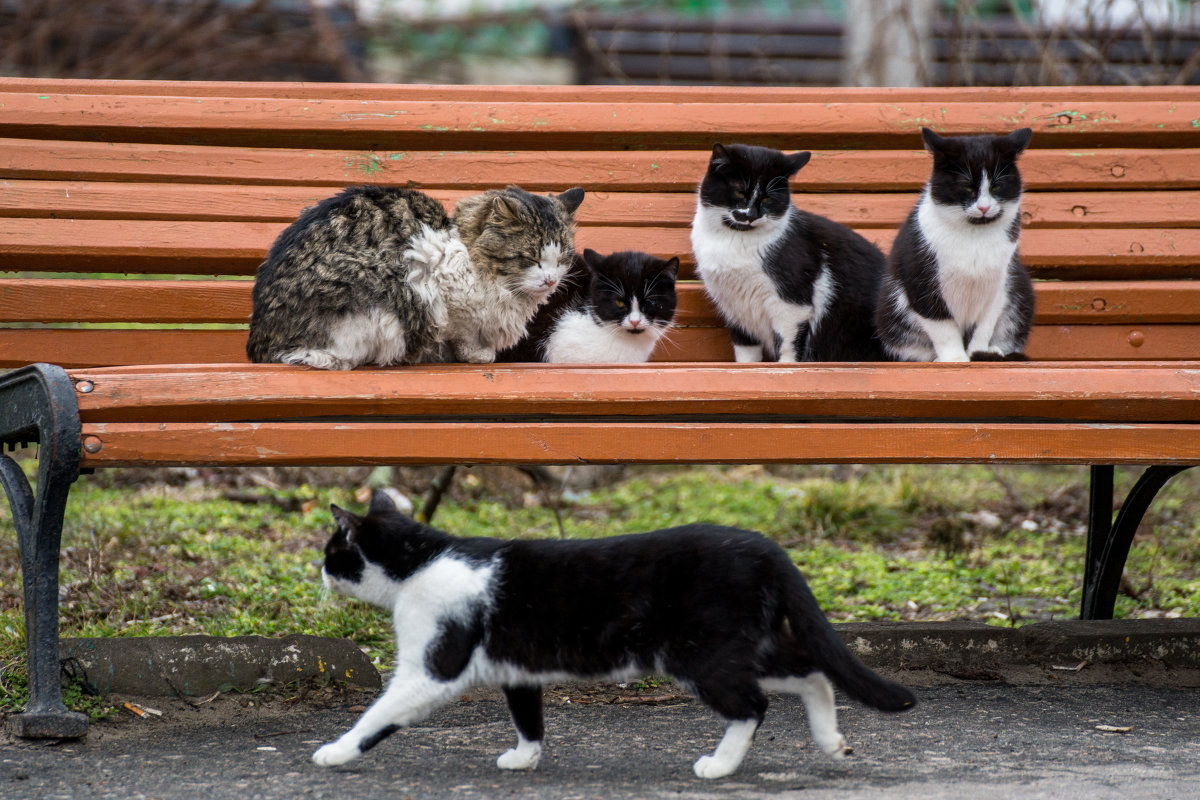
[
  {"x": 475, "y": 355},
  {"x": 710, "y": 767},
  {"x": 986, "y": 355},
  {"x": 838, "y": 749},
  {"x": 520, "y": 758},
  {"x": 317, "y": 359},
  {"x": 335, "y": 753}
]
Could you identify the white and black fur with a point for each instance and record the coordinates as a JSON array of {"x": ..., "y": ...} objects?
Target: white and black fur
[
  {"x": 790, "y": 285},
  {"x": 956, "y": 289},
  {"x": 721, "y": 609},
  {"x": 611, "y": 309}
]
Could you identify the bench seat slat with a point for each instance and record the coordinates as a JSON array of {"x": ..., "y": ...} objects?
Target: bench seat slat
[
  {"x": 78, "y": 348},
  {"x": 469, "y": 124},
  {"x": 832, "y": 169},
  {"x": 249, "y": 203},
  {"x": 237, "y": 248},
  {"x": 1107, "y": 393},
  {"x": 65, "y": 300},
  {"x": 267, "y": 444}
]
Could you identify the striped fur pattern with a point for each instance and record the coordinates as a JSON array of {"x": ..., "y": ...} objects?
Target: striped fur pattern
[{"x": 383, "y": 276}]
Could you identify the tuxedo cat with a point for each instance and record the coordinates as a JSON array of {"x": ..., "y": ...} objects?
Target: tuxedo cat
[
  {"x": 379, "y": 275},
  {"x": 956, "y": 289},
  {"x": 790, "y": 285},
  {"x": 721, "y": 609},
  {"x": 611, "y": 309}
]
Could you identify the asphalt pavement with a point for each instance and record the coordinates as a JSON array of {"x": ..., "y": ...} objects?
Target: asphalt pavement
[{"x": 967, "y": 739}]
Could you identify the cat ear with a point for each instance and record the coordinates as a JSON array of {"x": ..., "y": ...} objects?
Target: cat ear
[
  {"x": 592, "y": 260},
  {"x": 720, "y": 158},
  {"x": 506, "y": 208},
  {"x": 671, "y": 267},
  {"x": 381, "y": 503},
  {"x": 797, "y": 160},
  {"x": 347, "y": 523},
  {"x": 571, "y": 199},
  {"x": 933, "y": 142},
  {"x": 1019, "y": 139}
]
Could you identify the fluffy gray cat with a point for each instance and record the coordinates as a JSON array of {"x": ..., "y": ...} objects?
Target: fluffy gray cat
[{"x": 383, "y": 276}]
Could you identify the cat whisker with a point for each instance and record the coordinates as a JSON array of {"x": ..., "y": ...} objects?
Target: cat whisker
[
  {"x": 775, "y": 183},
  {"x": 664, "y": 335},
  {"x": 607, "y": 281}
]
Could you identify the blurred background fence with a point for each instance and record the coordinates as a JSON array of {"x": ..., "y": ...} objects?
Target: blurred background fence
[{"x": 728, "y": 42}]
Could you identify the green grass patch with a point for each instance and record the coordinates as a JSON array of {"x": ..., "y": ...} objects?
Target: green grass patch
[{"x": 948, "y": 542}]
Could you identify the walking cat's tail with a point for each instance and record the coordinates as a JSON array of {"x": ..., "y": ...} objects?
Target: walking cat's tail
[{"x": 834, "y": 658}]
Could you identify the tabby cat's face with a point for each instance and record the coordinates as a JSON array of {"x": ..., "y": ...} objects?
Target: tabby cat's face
[
  {"x": 528, "y": 239},
  {"x": 632, "y": 291},
  {"x": 748, "y": 185},
  {"x": 976, "y": 175}
]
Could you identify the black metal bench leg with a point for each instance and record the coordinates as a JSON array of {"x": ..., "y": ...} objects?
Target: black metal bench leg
[
  {"x": 38, "y": 404},
  {"x": 1108, "y": 540}
]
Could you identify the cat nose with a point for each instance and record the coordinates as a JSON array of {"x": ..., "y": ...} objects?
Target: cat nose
[{"x": 983, "y": 207}]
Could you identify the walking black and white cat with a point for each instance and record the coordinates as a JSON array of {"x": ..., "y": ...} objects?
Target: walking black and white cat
[
  {"x": 611, "y": 309},
  {"x": 383, "y": 276},
  {"x": 790, "y": 285},
  {"x": 721, "y": 609},
  {"x": 956, "y": 289}
]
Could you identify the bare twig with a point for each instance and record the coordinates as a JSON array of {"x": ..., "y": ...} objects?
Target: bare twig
[{"x": 433, "y": 496}]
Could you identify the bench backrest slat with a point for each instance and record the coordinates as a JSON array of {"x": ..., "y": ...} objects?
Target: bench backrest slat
[{"x": 476, "y": 124}]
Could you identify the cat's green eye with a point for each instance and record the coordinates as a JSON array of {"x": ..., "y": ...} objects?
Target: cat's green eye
[
  {"x": 740, "y": 195},
  {"x": 621, "y": 304}
]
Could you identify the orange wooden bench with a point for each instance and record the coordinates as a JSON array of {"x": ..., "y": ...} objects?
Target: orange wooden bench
[{"x": 132, "y": 216}]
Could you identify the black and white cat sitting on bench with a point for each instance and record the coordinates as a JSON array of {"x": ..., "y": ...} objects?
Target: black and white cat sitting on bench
[{"x": 722, "y": 610}]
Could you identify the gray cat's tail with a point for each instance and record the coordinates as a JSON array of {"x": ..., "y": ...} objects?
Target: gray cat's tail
[{"x": 837, "y": 661}]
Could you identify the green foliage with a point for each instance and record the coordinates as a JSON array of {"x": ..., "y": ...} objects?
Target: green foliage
[
  {"x": 901, "y": 542},
  {"x": 14, "y": 694}
]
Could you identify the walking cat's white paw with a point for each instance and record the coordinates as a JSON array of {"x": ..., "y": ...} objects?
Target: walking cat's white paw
[
  {"x": 710, "y": 767},
  {"x": 838, "y": 749},
  {"x": 520, "y": 757},
  {"x": 335, "y": 753}
]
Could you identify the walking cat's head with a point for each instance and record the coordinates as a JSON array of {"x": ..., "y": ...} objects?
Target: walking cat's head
[
  {"x": 526, "y": 240},
  {"x": 977, "y": 174},
  {"x": 632, "y": 291},
  {"x": 748, "y": 185},
  {"x": 367, "y": 556}
]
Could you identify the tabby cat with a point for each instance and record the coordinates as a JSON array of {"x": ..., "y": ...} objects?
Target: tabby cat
[{"x": 383, "y": 276}]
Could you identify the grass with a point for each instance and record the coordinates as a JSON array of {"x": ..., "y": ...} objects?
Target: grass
[{"x": 1000, "y": 545}]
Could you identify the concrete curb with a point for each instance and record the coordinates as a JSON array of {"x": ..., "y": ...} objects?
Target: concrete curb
[
  {"x": 1146, "y": 650},
  {"x": 200, "y": 665}
]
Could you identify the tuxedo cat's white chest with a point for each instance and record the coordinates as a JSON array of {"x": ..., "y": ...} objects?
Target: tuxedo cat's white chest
[
  {"x": 972, "y": 260},
  {"x": 579, "y": 339},
  {"x": 731, "y": 265}
]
